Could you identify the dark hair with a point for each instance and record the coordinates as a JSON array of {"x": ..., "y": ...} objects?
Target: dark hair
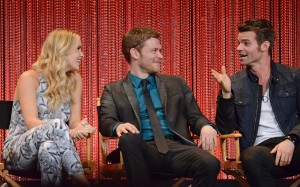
[
  {"x": 135, "y": 38},
  {"x": 263, "y": 29}
]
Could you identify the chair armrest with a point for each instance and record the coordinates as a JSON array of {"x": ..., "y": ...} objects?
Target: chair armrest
[
  {"x": 232, "y": 135},
  {"x": 4, "y": 175},
  {"x": 104, "y": 147},
  {"x": 223, "y": 143}
]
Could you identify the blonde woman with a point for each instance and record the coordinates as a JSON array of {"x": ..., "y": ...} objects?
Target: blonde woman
[{"x": 46, "y": 114}]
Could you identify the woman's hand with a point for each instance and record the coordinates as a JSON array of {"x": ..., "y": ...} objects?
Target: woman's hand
[{"x": 83, "y": 130}]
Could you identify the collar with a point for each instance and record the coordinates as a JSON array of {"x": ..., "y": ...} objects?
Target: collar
[
  {"x": 136, "y": 81},
  {"x": 274, "y": 74}
]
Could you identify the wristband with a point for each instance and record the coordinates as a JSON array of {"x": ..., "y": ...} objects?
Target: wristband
[{"x": 292, "y": 138}]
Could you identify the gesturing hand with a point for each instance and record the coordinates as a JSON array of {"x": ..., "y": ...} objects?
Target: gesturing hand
[{"x": 223, "y": 80}]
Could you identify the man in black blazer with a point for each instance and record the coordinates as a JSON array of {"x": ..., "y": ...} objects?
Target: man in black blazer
[{"x": 125, "y": 112}]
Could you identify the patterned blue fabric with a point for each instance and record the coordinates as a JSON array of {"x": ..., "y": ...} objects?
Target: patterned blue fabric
[{"x": 47, "y": 147}]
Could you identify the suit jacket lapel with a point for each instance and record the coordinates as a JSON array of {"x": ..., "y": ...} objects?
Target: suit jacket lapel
[
  {"x": 132, "y": 97},
  {"x": 162, "y": 91}
]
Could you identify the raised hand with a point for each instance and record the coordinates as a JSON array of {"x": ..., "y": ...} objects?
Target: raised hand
[{"x": 224, "y": 81}]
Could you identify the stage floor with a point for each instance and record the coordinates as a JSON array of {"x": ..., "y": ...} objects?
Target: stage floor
[{"x": 165, "y": 183}]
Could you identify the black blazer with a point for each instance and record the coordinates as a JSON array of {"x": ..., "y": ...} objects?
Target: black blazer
[{"x": 183, "y": 115}]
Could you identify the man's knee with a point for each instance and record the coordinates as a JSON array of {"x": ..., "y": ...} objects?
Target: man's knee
[
  {"x": 250, "y": 154},
  {"x": 213, "y": 165},
  {"x": 129, "y": 139},
  {"x": 253, "y": 158},
  {"x": 210, "y": 165}
]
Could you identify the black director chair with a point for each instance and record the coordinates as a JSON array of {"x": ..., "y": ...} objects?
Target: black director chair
[{"x": 5, "y": 114}]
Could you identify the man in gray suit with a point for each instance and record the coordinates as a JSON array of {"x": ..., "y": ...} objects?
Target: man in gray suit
[{"x": 126, "y": 112}]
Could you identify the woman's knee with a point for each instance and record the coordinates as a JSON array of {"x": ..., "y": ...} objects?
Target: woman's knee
[
  {"x": 47, "y": 146},
  {"x": 56, "y": 127}
]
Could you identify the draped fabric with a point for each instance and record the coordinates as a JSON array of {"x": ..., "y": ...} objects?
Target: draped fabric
[{"x": 196, "y": 35}]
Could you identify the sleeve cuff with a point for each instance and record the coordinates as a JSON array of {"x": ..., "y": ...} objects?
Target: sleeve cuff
[
  {"x": 115, "y": 127},
  {"x": 212, "y": 125}
]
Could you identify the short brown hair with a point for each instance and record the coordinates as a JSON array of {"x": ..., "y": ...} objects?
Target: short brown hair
[
  {"x": 263, "y": 29},
  {"x": 135, "y": 38}
]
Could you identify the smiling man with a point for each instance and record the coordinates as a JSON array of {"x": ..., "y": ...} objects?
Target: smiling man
[
  {"x": 153, "y": 114},
  {"x": 262, "y": 101}
]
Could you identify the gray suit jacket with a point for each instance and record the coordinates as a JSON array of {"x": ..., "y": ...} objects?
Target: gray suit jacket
[{"x": 183, "y": 115}]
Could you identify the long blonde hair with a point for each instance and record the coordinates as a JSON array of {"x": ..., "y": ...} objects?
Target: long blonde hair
[{"x": 51, "y": 64}]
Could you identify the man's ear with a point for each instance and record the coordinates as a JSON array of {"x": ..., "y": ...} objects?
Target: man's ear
[
  {"x": 265, "y": 46},
  {"x": 134, "y": 53}
]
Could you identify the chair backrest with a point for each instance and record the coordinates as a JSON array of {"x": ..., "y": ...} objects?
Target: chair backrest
[{"x": 5, "y": 114}]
